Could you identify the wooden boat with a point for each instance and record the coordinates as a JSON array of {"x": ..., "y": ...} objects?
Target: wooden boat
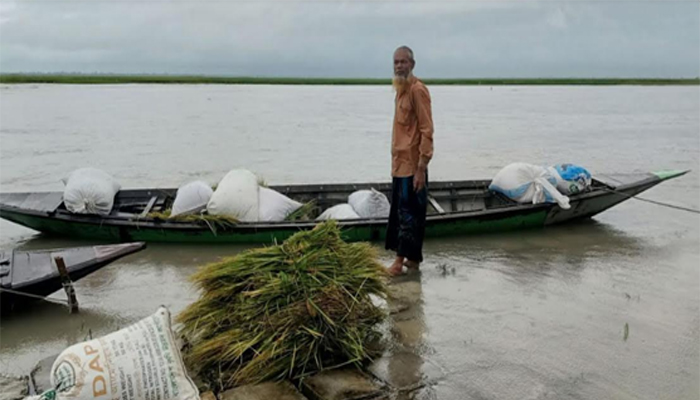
[
  {"x": 459, "y": 207},
  {"x": 34, "y": 272}
]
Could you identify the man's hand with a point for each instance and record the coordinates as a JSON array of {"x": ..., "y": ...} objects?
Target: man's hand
[{"x": 419, "y": 179}]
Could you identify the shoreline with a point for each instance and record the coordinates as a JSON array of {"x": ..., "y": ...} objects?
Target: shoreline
[{"x": 191, "y": 79}]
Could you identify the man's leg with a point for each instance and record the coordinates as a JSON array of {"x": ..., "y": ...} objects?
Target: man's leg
[
  {"x": 392, "y": 230},
  {"x": 415, "y": 212}
]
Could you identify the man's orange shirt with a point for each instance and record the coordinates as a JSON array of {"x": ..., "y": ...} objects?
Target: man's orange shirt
[{"x": 412, "y": 138}]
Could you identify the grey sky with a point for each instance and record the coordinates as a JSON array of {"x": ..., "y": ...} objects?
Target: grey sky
[{"x": 326, "y": 38}]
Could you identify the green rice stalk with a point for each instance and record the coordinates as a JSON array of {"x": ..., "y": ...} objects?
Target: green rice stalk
[
  {"x": 285, "y": 311},
  {"x": 216, "y": 221},
  {"x": 306, "y": 212}
]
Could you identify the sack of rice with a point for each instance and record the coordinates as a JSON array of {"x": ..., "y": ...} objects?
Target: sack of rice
[
  {"x": 236, "y": 196},
  {"x": 139, "y": 362},
  {"x": 527, "y": 183},
  {"x": 191, "y": 198},
  {"x": 275, "y": 206},
  {"x": 370, "y": 204},
  {"x": 90, "y": 191},
  {"x": 338, "y": 212}
]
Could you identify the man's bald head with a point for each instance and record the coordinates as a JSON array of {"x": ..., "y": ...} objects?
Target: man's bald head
[{"x": 403, "y": 62}]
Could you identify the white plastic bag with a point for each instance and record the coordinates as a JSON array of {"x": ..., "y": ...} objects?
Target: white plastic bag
[
  {"x": 275, "y": 206},
  {"x": 191, "y": 198},
  {"x": 370, "y": 204},
  {"x": 527, "y": 183},
  {"x": 139, "y": 362},
  {"x": 236, "y": 196},
  {"x": 338, "y": 212},
  {"x": 90, "y": 191},
  {"x": 571, "y": 179}
]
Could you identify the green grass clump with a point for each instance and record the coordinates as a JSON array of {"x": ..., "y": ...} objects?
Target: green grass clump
[{"x": 285, "y": 311}]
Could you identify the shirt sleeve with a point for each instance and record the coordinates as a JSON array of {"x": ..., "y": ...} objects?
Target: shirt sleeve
[{"x": 424, "y": 113}]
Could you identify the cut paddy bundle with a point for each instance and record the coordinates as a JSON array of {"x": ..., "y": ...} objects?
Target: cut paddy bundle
[
  {"x": 214, "y": 222},
  {"x": 285, "y": 311},
  {"x": 304, "y": 213}
]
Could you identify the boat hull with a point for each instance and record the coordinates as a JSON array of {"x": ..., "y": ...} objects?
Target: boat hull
[
  {"x": 461, "y": 222},
  {"x": 34, "y": 272}
]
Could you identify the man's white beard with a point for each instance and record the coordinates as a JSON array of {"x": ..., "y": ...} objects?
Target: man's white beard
[{"x": 401, "y": 83}]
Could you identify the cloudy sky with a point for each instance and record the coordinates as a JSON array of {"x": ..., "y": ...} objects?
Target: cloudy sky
[{"x": 329, "y": 38}]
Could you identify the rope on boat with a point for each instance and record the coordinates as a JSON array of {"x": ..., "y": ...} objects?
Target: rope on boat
[
  {"x": 34, "y": 296},
  {"x": 691, "y": 210}
]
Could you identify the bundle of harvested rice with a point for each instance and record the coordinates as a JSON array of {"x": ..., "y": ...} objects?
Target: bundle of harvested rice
[
  {"x": 304, "y": 213},
  {"x": 212, "y": 221},
  {"x": 285, "y": 311}
]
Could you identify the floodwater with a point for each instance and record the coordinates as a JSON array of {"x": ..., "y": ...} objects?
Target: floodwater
[{"x": 538, "y": 314}]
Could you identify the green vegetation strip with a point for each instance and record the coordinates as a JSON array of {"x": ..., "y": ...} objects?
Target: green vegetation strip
[{"x": 187, "y": 79}]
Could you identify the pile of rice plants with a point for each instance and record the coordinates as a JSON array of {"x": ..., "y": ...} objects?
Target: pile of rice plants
[{"x": 285, "y": 311}]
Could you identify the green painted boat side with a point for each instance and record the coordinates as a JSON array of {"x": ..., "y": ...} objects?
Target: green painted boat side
[
  {"x": 666, "y": 175},
  {"x": 351, "y": 232},
  {"x": 40, "y": 211}
]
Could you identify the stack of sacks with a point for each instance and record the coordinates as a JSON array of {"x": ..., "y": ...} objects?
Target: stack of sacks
[
  {"x": 527, "y": 183},
  {"x": 240, "y": 196},
  {"x": 90, "y": 191}
]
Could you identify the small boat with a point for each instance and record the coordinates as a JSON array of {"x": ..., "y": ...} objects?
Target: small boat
[
  {"x": 29, "y": 275},
  {"x": 457, "y": 208}
]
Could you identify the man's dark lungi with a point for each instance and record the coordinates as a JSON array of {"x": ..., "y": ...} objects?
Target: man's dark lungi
[{"x": 406, "y": 228}]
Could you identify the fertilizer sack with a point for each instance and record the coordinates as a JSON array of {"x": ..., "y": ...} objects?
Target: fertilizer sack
[
  {"x": 90, "y": 191},
  {"x": 139, "y": 362}
]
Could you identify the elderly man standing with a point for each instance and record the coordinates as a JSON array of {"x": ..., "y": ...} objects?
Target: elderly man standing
[{"x": 411, "y": 151}]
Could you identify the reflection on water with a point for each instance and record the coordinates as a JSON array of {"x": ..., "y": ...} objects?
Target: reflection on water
[
  {"x": 582, "y": 239},
  {"x": 402, "y": 364}
]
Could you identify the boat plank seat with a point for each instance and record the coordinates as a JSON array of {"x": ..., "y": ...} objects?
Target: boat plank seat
[{"x": 148, "y": 207}]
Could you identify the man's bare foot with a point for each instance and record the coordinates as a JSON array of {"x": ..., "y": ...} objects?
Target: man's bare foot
[
  {"x": 411, "y": 264},
  {"x": 396, "y": 268}
]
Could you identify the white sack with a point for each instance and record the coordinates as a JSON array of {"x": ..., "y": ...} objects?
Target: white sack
[
  {"x": 90, "y": 191},
  {"x": 236, "y": 196},
  {"x": 275, "y": 206},
  {"x": 370, "y": 204},
  {"x": 527, "y": 183},
  {"x": 338, "y": 212},
  {"x": 191, "y": 198}
]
